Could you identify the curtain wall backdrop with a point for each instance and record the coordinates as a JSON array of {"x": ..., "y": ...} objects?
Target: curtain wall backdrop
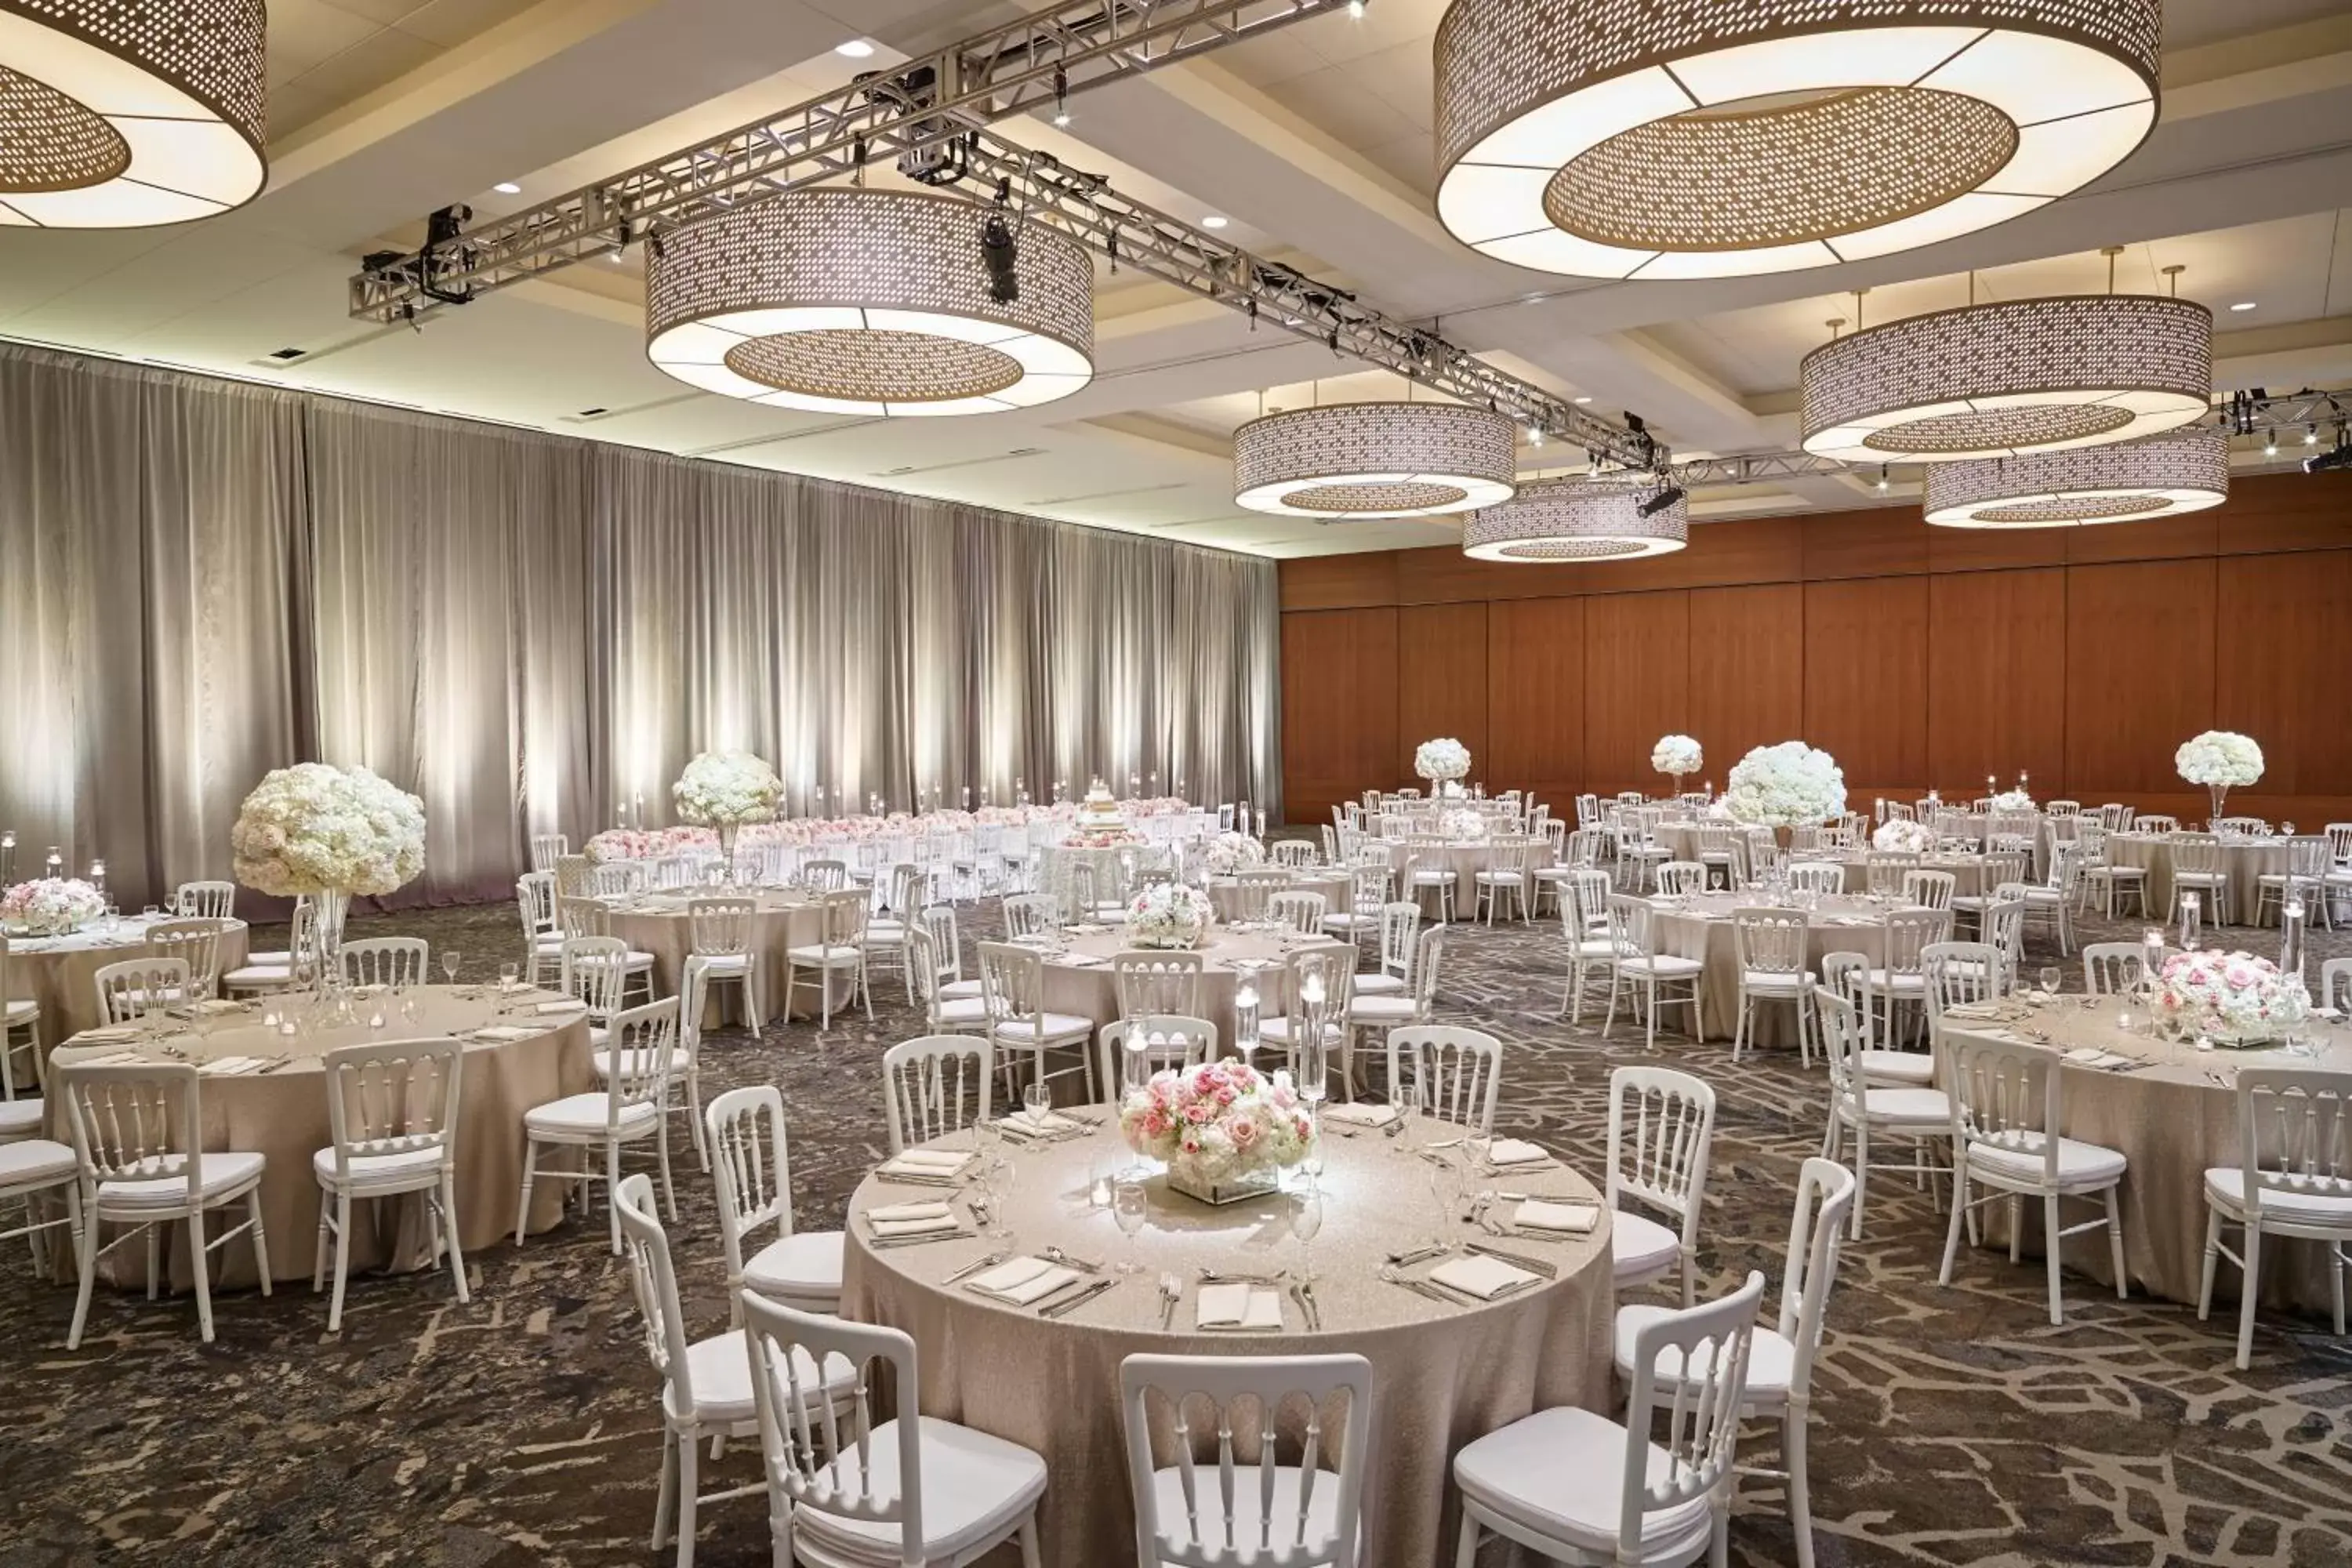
[{"x": 200, "y": 581}]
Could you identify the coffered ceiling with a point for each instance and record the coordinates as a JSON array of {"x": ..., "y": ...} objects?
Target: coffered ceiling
[{"x": 1313, "y": 144}]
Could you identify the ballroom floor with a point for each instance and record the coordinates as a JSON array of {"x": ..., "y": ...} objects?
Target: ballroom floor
[{"x": 1951, "y": 1426}]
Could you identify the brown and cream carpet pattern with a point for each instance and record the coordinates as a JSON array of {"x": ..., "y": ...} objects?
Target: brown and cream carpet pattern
[{"x": 1950, "y": 1427}]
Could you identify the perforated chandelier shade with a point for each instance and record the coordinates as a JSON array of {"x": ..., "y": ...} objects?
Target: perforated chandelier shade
[
  {"x": 129, "y": 113},
  {"x": 1577, "y": 521},
  {"x": 2028, "y": 376},
  {"x": 857, "y": 302},
  {"x": 1715, "y": 137},
  {"x": 2185, "y": 472},
  {"x": 1375, "y": 459}
]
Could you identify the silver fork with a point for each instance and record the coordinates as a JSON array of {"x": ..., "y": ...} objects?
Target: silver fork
[
  {"x": 1171, "y": 1295},
  {"x": 1070, "y": 1260}
]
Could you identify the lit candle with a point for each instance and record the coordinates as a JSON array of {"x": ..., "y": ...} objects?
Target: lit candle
[{"x": 1310, "y": 991}]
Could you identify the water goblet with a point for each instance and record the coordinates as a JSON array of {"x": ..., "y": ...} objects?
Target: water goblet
[
  {"x": 1038, "y": 1101},
  {"x": 1445, "y": 1187},
  {"x": 1129, "y": 1207},
  {"x": 1306, "y": 1223},
  {"x": 997, "y": 1176},
  {"x": 2050, "y": 978},
  {"x": 449, "y": 964}
]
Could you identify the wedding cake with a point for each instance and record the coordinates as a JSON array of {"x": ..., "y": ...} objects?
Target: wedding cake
[{"x": 1099, "y": 810}]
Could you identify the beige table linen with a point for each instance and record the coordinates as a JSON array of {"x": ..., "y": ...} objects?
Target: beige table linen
[
  {"x": 1443, "y": 1375},
  {"x": 1700, "y": 927},
  {"x": 61, "y": 973},
  {"x": 2171, "y": 1119},
  {"x": 1087, "y": 989},
  {"x": 1338, "y": 893},
  {"x": 2244, "y": 859},
  {"x": 282, "y": 1115},
  {"x": 1967, "y": 871},
  {"x": 659, "y": 924}
]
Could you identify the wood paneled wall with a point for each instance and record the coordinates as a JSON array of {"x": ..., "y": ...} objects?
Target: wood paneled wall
[{"x": 1915, "y": 656}]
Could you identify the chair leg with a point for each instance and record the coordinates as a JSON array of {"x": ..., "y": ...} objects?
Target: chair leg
[
  {"x": 1466, "y": 1550},
  {"x": 86, "y": 1261},
  {"x": 2115, "y": 1244},
  {"x": 1952, "y": 1231},
  {"x": 449, "y": 1228},
  {"x": 667, "y": 1495},
  {"x": 154, "y": 1259},
  {"x": 1861, "y": 1174},
  {"x": 342, "y": 1259},
  {"x": 2249, "y": 1289},
  {"x": 689, "y": 1464},
  {"x": 1800, "y": 1496},
  {"x": 203, "y": 1275},
  {"x": 2212, "y": 1260},
  {"x": 318, "y": 1252},
  {"x": 1029, "y": 1557},
  {"x": 669, "y": 1194},
  {"x": 529, "y": 1169},
  {"x": 2052, "y": 1247},
  {"x": 613, "y": 1193}
]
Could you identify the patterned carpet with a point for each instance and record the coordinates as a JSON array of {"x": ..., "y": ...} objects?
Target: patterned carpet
[{"x": 1951, "y": 1426}]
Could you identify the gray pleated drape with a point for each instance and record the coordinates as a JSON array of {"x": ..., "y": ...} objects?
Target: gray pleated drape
[{"x": 200, "y": 581}]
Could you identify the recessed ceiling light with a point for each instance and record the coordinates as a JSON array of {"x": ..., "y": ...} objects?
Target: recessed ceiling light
[
  {"x": 854, "y": 49},
  {"x": 507, "y": 188},
  {"x": 2244, "y": 305},
  {"x": 1214, "y": 220}
]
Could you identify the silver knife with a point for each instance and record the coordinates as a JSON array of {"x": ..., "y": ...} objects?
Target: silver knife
[
  {"x": 1070, "y": 1303},
  {"x": 1548, "y": 1270},
  {"x": 974, "y": 1266}
]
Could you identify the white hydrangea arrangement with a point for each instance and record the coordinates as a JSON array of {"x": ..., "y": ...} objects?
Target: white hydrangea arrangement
[
  {"x": 1787, "y": 785},
  {"x": 1217, "y": 1122},
  {"x": 51, "y": 906},
  {"x": 1676, "y": 755},
  {"x": 1462, "y": 824},
  {"x": 2012, "y": 800},
  {"x": 2234, "y": 998},
  {"x": 1904, "y": 837},
  {"x": 2220, "y": 757},
  {"x": 1442, "y": 761},
  {"x": 1230, "y": 852},
  {"x": 315, "y": 828},
  {"x": 723, "y": 789},
  {"x": 1167, "y": 915}
]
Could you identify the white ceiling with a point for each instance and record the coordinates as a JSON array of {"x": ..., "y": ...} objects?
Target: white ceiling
[{"x": 1313, "y": 142}]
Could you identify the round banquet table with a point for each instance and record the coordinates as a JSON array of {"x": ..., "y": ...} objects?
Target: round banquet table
[
  {"x": 60, "y": 973},
  {"x": 1078, "y": 978},
  {"x": 1968, "y": 872},
  {"x": 281, "y": 1114},
  {"x": 1443, "y": 1374},
  {"x": 659, "y": 923},
  {"x": 2172, "y": 1120},
  {"x": 1338, "y": 891},
  {"x": 2243, "y": 858},
  {"x": 1700, "y": 927}
]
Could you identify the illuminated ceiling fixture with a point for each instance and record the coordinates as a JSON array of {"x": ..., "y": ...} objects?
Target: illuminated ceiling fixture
[
  {"x": 129, "y": 113},
  {"x": 858, "y": 301},
  {"x": 1998, "y": 380},
  {"x": 1717, "y": 138},
  {"x": 1581, "y": 520},
  {"x": 1375, "y": 459},
  {"x": 2174, "y": 474}
]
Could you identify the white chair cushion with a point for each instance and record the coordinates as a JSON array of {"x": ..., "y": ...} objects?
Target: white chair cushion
[
  {"x": 254, "y": 976},
  {"x": 19, "y": 1118},
  {"x": 1377, "y": 1009},
  {"x": 1503, "y": 878},
  {"x": 19, "y": 1010},
  {"x": 1596, "y": 947},
  {"x": 1903, "y": 984},
  {"x": 1640, "y": 1247},
  {"x": 975, "y": 1487},
  {"x": 1776, "y": 980},
  {"x": 1433, "y": 879},
  {"x": 1771, "y": 1363},
  {"x": 963, "y": 1010},
  {"x": 1563, "y": 1472},
  {"x": 270, "y": 959},
  {"x": 2228, "y": 1184},
  {"x": 824, "y": 957},
  {"x": 1249, "y": 1519},
  {"x": 225, "y": 1176},
  {"x": 798, "y": 1267},
  {"x": 551, "y": 943},
  {"x": 1664, "y": 966},
  {"x": 1905, "y": 1067},
  {"x": 720, "y": 1370},
  {"x": 720, "y": 964},
  {"x": 580, "y": 1115},
  {"x": 1377, "y": 984},
  {"x": 1907, "y": 1105},
  {"x": 33, "y": 1162},
  {"x": 2079, "y": 1165},
  {"x": 1279, "y": 1030},
  {"x": 410, "y": 1168},
  {"x": 631, "y": 960},
  {"x": 1055, "y": 1025},
  {"x": 638, "y": 1062},
  {"x": 957, "y": 990},
  {"x": 884, "y": 933}
]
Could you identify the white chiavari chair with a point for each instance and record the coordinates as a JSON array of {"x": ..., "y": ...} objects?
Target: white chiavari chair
[
  {"x": 1770, "y": 947},
  {"x": 1584, "y": 924},
  {"x": 1928, "y": 889},
  {"x": 2303, "y": 877},
  {"x": 1153, "y": 981},
  {"x": 1448, "y": 1073},
  {"x": 1012, "y": 986},
  {"x": 840, "y": 950},
  {"x": 721, "y": 929},
  {"x": 2053, "y": 900},
  {"x": 546, "y": 848},
  {"x": 1918, "y": 1115},
  {"x": 1895, "y": 981},
  {"x": 629, "y": 1108},
  {"x": 1165, "y": 1041},
  {"x": 1681, "y": 879},
  {"x": 129, "y": 990},
  {"x": 205, "y": 901},
  {"x": 1505, "y": 878},
  {"x": 1661, "y": 1139},
  {"x": 752, "y": 1165},
  {"x": 392, "y": 1128},
  {"x": 2293, "y": 1181},
  {"x": 264, "y": 972},
  {"x": 1637, "y": 965},
  {"x": 542, "y": 941},
  {"x": 1297, "y": 911},
  {"x": 1368, "y": 894},
  {"x": 394, "y": 961}
]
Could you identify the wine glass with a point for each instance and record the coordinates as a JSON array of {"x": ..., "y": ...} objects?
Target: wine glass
[
  {"x": 449, "y": 964},
  {"x": 1445, "y": 1187},
  {"x": 2050, "y": 977},
  {"x": 1129, "y": 1207},
  {"x": 1306, "y": 1223},
  {"x": 1038, "y": 1101},
  {"x": 996, "y": 1178}
]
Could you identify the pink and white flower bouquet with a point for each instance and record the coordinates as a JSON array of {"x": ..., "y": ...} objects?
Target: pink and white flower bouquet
[
  {"x": 1904, "y": 837},
  {"x": 1230, "y": 852},
  {"x": 1219, "y": 1124},
  {"x": 2235, "y": 998},
  {"x": 50, "y": 906},
  {"x": 316, "y": 829},
  {"x": 1168, "y": 915}
]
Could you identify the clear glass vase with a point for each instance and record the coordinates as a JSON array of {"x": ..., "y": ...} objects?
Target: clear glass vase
[
  {"x": 2219, "y": 792},
  {"x": 727, "y": 836},
  {"x": 328, "y": 909}
]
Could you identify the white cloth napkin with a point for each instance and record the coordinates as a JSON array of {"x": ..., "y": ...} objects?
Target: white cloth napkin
[
  {"x": 1480, "y": 1276},
  {"x": 932, "y": 1163},
  {"x": 111, "y": 1034},
  {"x": 1516, "y": 1152},
  {"x": 569, "y": 1005},
  {"x": 2092, "y": 1057},
  {"x": 231, "y": 1067},
  {"x": 1237, "y": 1307},
  {"x": 111, "y": 1058},
  {"x": 1022, "y": 1280},
  {"x": 503, "y": 1033},
  {"x": 1574, "y": 1219},
  {"x": 1046, "y": 1126},
  {"x": 1081, "y": 960},
  {"x": 1362, "y": 1115},
  {"x": 911, "y": 1219}
]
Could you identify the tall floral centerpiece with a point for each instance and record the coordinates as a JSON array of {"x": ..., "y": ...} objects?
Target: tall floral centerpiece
[
  {"x": 50, "y": 906},
  {"x": 724, "y": 791},
  {"x": 1445, "y": 763},
  {"x": 1904, "y": 837},
  {"x": 1785, "y": 787},
  {"x": 2235, "y": 999},
  {"x": 2221, "y": 760},
  {"x": 326, "y": 832},
  {"x": 1676, "y": 755},
  {"x": 1225, "y": 1129},
  {"x": 1167, "y": 915}
]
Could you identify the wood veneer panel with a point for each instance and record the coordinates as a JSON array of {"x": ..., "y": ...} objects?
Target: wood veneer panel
[
  {"x": 1636, "y": 683},
  {"x": 1994, "y": 549},
  {"x": 1866, "y": 680},
  {"x": 2139, "y": 673},
  {"x": 1996, "y": 658},
  {"x": 2282, "y": 667},
  {"x": 1747, "y": 670},
  {"x": 1882, "y": 542},
  {"x": 1440, "y": 680},
  {"x": 1535, "y": 697},
  {"x": 1338, "y": 582},
  {"x": 2159, "y": 539},
  {"x": 1338, "y": 708},
  {"x": 2269, "y": 512}
]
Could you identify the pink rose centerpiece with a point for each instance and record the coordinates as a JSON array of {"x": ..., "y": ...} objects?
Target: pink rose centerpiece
[
  {"x": 50, "y": 906},
  {"x": 1224, "y": 1130},
  {"x": 2232, "y": 999}
]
